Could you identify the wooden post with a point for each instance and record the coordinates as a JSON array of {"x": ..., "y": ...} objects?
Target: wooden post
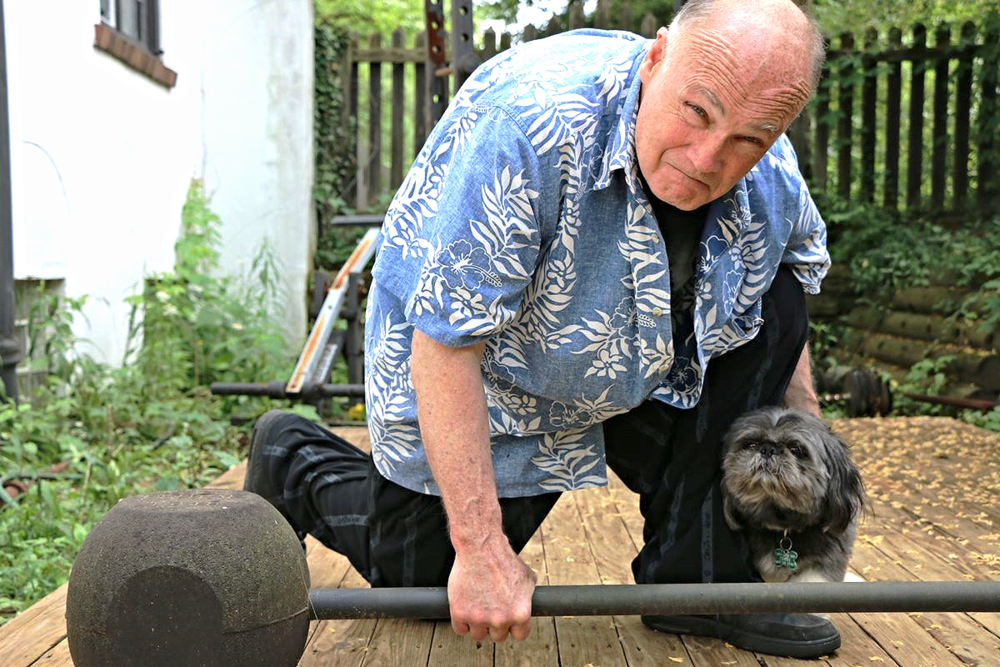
[
  {"x": 504, "y": 41},
  {"x": 915, "y": 147},
  {"x": 530, "y": 33},
  {"x": 844, "y": 122},
  {"x": 463, "y": 53},
  {"x": 963, "y": 113},
  {"x": 420, "y": 110},
  {"x": 893, "y": 97},
  {"x": 398, "y": 110},
  {"x": 375, "y": 119},
  {"x": 868, "y": 100},
  {"x": 939, "y": 149}
]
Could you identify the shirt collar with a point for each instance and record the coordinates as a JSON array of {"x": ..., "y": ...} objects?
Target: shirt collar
[{"x": 621, "y": 150}]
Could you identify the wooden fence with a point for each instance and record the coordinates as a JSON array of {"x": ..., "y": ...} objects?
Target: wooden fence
[{"x": 923, "y": 136}]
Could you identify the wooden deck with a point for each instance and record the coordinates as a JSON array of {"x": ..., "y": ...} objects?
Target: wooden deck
[{"x": 934, "y": 484}]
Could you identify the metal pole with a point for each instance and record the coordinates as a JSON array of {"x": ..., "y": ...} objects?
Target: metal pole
[
  {"x": 10, "y": 347},
  {"x": 277, "y": 389},
  {"x": 678, "y": 599}
]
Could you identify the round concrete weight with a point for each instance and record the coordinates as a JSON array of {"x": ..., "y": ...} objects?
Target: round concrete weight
[{"x": 192, "y": 578}]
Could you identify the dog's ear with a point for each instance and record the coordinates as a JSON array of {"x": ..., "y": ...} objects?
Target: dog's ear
[{"x": 845, "y": 493}]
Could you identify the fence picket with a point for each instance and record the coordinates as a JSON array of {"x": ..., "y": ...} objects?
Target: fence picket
[
  {"x": 939, "y": 144},
  {"x": 893, "y": 96},
  {"x": 844, "y": 122},
  {"x": 375, "y": 119},
  {"x": 987, "y": 188},
  {"x": 869, "y": 90},
  {"x": 915, "y": 156},
  {"x": 601, "y": 16},
  {"x": 963, "y": 114},
  {"x": 575, "y": 15},
  {"x": 398, "y": 107},
  {"x": 420, "y": 108},
  {"x": 820, "y": 155},
  {"x": 649, "y": 26}
]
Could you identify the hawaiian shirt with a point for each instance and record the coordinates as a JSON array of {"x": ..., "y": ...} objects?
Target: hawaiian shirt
[{"x": 523, "y": 224}]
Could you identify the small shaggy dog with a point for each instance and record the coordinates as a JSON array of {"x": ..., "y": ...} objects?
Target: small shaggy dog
[{"x": 790, "y": 486}]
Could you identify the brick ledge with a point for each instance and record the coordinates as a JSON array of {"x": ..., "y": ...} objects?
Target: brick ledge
[{"x": 134, "y": 55}]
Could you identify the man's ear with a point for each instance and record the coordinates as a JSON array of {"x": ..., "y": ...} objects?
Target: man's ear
[{"x": 654, "y": 56}]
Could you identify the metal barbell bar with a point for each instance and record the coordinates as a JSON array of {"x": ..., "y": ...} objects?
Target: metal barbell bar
[{"x": 678, "y": 599}]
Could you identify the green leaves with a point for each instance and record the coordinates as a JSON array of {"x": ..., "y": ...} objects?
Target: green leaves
[{"x": 146, "y": 426}]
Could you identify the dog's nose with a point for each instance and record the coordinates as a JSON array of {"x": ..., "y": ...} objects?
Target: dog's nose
[{"x": 767, "y": 450}]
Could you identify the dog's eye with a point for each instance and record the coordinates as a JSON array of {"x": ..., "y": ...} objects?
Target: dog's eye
[
  {"x": 751, "y": 445},
  {"x": 798, "y": 452}
]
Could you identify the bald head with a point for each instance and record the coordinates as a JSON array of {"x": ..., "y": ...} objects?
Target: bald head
[{"x": 767, "y": 28}]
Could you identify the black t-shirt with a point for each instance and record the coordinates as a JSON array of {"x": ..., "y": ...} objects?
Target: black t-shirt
[{"x": 681, "y": 232}]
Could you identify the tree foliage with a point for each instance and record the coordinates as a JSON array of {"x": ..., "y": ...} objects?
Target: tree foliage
[{"x": 371, "y": 16}]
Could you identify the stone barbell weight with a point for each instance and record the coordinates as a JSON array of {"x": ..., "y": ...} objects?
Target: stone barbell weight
[
  {"x": 217, "y": 578},
  {"x": 207, "y": 577}
]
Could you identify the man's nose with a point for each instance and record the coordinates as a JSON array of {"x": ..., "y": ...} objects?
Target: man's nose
[{"x": 706, "y": 154}]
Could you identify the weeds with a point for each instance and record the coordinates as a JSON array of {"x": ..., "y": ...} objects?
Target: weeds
[{"x": 148, "y": 425}]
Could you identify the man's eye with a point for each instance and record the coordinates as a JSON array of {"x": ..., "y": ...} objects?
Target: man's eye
[
  {"x": 754, "y": 141},
  {"x": 697, "y": 109}
]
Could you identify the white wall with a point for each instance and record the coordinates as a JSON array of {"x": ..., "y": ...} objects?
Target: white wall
[{"x": 103, "y": 156}]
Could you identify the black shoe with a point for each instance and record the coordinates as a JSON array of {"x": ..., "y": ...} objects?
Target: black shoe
[{"x": 790, "y": 635}]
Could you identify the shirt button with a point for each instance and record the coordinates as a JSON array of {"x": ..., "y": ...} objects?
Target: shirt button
[{"x": 657, "y": 311}]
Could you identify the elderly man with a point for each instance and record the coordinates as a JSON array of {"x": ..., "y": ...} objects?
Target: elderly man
[{"x": 597, "y": 260}]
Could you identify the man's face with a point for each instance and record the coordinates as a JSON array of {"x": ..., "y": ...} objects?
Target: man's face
[{"x": 711, "y": 108}]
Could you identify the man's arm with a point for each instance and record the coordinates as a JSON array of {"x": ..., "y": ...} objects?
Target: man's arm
[
  {"x": 800, "y": 392},
  {"x": 490, "y": 587}
]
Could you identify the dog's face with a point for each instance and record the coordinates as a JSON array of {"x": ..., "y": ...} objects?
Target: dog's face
[{"x": 785, "y": 469}]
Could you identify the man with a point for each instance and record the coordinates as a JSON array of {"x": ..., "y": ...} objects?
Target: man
[{"x": 597, "y": 260}]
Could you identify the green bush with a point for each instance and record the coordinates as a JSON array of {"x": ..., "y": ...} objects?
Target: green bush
[{"x": 146, "y": 426}]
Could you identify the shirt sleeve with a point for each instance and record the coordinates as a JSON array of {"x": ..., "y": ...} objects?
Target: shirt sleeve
[
  {"x": 461, "y": 238},
  {"x": 805, "y": 252}
]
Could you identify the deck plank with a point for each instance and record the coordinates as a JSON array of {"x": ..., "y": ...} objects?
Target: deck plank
[
  {"x": 33, "y": 632},
  {"x": 540, "y": 649},
  {"x": 582, "y": 640},
  {"x": 613, "y": 550}
]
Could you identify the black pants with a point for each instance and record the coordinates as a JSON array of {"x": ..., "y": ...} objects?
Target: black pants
[{"x": 670, "y": 457}]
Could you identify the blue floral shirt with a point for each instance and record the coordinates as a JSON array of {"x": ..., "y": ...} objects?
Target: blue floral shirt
[{"x": 523, "y": 224}]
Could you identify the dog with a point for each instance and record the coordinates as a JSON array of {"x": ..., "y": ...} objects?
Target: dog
[{"x": 790, "y": 486}]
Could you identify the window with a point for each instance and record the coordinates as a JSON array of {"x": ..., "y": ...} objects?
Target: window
[
  {"x": 137, "y": 19},
  {"x": 130, "y": 32}
]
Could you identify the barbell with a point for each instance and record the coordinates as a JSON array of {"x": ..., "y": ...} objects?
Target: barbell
[{"x": 218, "y": 577}]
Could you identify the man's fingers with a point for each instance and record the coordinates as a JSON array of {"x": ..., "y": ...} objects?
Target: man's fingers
[
  {"x": 478, "y": 632},
  {"x": 460, "y": 627},
  {"x": 520, "y": 631},
  {"x": 498, "y": 634}
]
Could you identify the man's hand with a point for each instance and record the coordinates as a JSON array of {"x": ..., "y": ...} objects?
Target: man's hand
[{"x": 489, "y": 592}]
